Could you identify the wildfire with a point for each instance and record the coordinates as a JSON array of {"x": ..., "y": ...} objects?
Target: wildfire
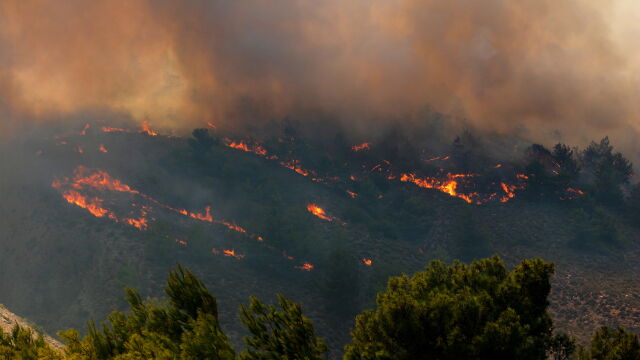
[
  {"x": 109, "y": 129},
  {"x": 102, "y": 149},
  {"x": 509, "y": 191},
  {"x": 305, "y": 267},
  {"x": 84, "y": 130},
  {"x": 232, "y": 253},
  {"x": 360, "y": 147},
  {"x": 93, "y": 205},
  {"x": 295, "y": 166},
  {"x": 145, "y": 129},
  {"x": 318, "y": 211},
  {"x": 447, "y": 186},
  {"x": 100, "y": 180},
  {"x": 367, "y": 262},
  {"x": 241, "y": 145}
]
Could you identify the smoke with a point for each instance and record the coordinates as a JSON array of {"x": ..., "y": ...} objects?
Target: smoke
[{"x": 542, "y": 69}]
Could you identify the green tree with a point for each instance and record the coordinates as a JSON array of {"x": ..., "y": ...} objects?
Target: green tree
[
  {"x": 609, "y": 344},
  {"x": 477, "y": 311},
  {"x": 186, "y": 327},
  {"x": 279, "y": 333},
  {"x": 23, "y": 344},
  {"x": 608, "y": 169}
]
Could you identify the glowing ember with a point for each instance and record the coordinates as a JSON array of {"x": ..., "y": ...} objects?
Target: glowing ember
[
  {"x": 497, "y": 166},
  {"x": 305, "y": 267},
  {"x": 181, "y": 242},
  {"x": 102, "y": 148},
  {"x": 232, "y": 253},
  {"x": 522, "y": 176},
  {"x": 352, "y": 194},
  {"x": 211, "y": 125},
  {"x": 363, "y": 146},
  {"x": 109, "y": 129},
  {"x": 318, "y": 211},
  {"x": 367, "y": 262},
  {"x": 84, "y": 130},
  {"x": 509, "y": 191},
  {"x": 575, "y": 191},
  {"x": 295, "y": 166},
  {"x": 79, "y": 150}
]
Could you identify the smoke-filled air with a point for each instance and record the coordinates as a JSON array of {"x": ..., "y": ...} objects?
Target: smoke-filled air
[
  {"x": 319, "y": 179},
  {"x": 567, "y": 69}
]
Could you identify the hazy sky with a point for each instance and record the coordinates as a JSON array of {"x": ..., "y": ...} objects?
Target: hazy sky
[{"x": 537, "y": 67}]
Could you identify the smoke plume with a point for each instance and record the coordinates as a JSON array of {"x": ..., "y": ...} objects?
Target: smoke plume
[{"x": 530, "y": 68}]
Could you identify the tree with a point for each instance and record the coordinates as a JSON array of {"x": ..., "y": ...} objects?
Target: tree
[
  {"x": 609, "y": 344},
  {"x": 479, "y": 311},
  {"x": 23, "y": 344},
  {"x": 279, "y": 334},
  {"x": 186, "y": 326},
  {"x": 608, "y": 169},
  {"x": 633, "y": 202},
  {"x": 202, "y": 141}
]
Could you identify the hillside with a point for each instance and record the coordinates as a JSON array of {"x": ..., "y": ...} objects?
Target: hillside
[{"x": 91, "y": 211}]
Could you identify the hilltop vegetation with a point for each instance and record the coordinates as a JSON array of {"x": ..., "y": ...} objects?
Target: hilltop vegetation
[
  {"x": 477, "y": 311},
  {"x": 76, "y": 262}
]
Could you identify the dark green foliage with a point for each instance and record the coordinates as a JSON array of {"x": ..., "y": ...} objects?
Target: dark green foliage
[
  {"x": 480, "y": 311},
  {"x": 562, "y": 347},
  {"x": 24, "y": 344},
  {"x": 279, "y": 333},
  {"x": 550, "y": 172},
  {"x": 609, "y": 344},
  {"x": 609, "y": 171},
  {"x": 186, "y": 327}
]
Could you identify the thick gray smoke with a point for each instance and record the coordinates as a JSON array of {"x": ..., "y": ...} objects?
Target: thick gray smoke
[{"x": 531, "y": 68}]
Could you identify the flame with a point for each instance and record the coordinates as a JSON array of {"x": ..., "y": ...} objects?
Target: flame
[
  {"x": 140, "y": 223},
  {"x": 447, "y": 186},
  {"x": 212, "y": 125},
  {"x": 84, "y": 130},
  {"x": 367, "y": 262},
  {"x": 575, "y": 191},
  {"x": 102, "y": 148},
  {"x": 497, "y": 166},
  {"x": 79, "y": 150},
  {"x": 295, "y": 166},
  {"x": 93, "y": 205},
  {"x": 145, "y": 129},
  {"x": 363, "y": 146},
  {"x": 181, "y": 242},
  {"x": 318, "y": 211},
  {"x": 352, "y": 194},
  {"x": 509, "y": 191},
  {"x": 109, "y": 129},
  {"x": 305, "y": 267},
  {"x": 522, "y": 177},
  {"x": 202, "y": 217},
  {"x": 232, "y": 253},
  {"x": 241, "y": 145}
]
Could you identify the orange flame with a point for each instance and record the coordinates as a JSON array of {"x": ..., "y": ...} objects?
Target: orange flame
[
  {"x": 145, "y": 129},
  {"x": 363, "y": 146},
  {"x": 305, "y": 267},
  {"x": 241, "y": 145},
  {"x": 232, "y": 253},
  {"x": 94, "y": 205},
  {"x": 318, "y": 211},
  {"x": 108, "y": 129},
  {"x": 84, "y": 130},
  {"x": 367, "y": 262},
  {"x": 509, "y": 191},
  {"x": 446, "y": 186},
  {"x": 102, "y": 148},
  {"x": 352, "y": 194}
]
